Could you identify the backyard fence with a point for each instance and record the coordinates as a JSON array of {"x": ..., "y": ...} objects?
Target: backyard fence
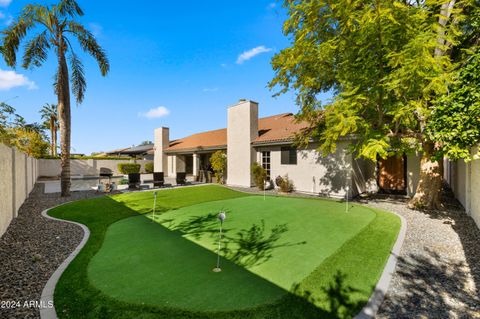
[
  {"x": 18, "y": 174},
  {"x": 464, "y": 179},
  {"x": 84, "y": 167}
]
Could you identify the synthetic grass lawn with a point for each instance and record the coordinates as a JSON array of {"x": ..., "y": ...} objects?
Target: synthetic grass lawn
[{"x": 174, "y": 260}]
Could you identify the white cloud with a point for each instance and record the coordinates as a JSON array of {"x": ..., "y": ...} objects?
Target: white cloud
[
  {"x": 272, "y": 5},
  {"x": 247, "y": 55},
  {"x": 223, "y": 65},
  {"x": 2, "y": 15},
  {"x": 11, "y": 79},
  {"x": 210, "y": 90},
  {"x": 95, "y": 28},
  {"x": 5, "y": 3},
  {"x": 154, "y": 113}
]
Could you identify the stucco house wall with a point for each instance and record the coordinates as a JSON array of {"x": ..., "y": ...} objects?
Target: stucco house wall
[
  {"x": 242, "y": 130},
  {"x": 316, "y": 174}
]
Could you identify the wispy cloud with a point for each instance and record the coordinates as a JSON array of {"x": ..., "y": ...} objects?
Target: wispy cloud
[
  {"x": 210, "y": 90},
  {"x": 11, "y": 79},
  {"x": 272, "y": 5},
  {"x": 5, "y": 3},
  {"x": 95, "y": 28},
  {"x": 5, "y": 19},
  {"x": 247, "y": 55},
  {"x": 156, "y": 112}
]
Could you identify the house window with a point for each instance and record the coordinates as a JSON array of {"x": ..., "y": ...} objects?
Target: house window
[
  {"x": 266, "y": 162},
  {"x": 288, "y": 156}
]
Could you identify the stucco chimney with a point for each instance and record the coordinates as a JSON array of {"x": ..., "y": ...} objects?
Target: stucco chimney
[
  {"x": 162, "y": 141},
  {"x": 242, "y": 130}
]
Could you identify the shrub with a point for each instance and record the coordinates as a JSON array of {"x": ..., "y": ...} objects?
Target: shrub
[
  {"x": 149, "y": 168},
  {"x": 286, "y": 185},
  {"x": 219, "y": 165},
  {"x": 123, "y": 181},
  {"x": 128, "y": 168},
  {"x": 278, "y": 180},
  {"x": 259, "y": 175}
]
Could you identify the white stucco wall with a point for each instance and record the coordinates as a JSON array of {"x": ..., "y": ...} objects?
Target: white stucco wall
[
  {"x": 7, "y": 199},
  {"x": 162, "y": 140},
  {"x": 475, "y": 191},
  {"x": 90, "y": 167},
  {"x": 18, "y": 177},
  {"x": 242, "y": 129},
  {"x": 313, "y": 173}
]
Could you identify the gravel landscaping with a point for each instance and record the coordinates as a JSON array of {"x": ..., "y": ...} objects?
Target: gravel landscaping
[
  {"x": 31, "y": 250},
  {"x": 437, "y": 276}
]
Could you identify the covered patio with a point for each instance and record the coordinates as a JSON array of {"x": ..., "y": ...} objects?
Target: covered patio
[{"x": 190, "y": 154}]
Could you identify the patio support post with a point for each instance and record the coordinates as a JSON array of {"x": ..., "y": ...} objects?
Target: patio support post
[{"x": 196, "y": 164}]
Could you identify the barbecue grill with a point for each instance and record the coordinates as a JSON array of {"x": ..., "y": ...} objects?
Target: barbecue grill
[{"x": 106, "y": 173}]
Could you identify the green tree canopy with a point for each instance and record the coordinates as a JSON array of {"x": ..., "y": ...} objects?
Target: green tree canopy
[{"x": 387, "y": 63}]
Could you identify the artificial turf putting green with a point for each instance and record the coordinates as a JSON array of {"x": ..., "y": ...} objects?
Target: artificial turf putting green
[
  {"x": 273, "y": 243},
  {"x": 337, "y": 287}
]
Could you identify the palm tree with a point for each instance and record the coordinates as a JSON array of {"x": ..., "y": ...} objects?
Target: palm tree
[
  {"x": 56, "y": 25},
  {"x": 50, "y": 117}
]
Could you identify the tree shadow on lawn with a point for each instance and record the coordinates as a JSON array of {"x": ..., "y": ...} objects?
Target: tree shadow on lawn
[
  {"x": 247, "y": 247},
  {"x": 334, "y": 300},
  {"x": 254, "y": 246}
]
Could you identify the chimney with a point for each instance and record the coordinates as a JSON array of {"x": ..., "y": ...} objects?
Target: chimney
[
  {"x": 242, "y": 130},
  {"x": 162, "y": 141}
]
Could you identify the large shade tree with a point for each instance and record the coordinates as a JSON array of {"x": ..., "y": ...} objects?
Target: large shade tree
[
  {"x": 50, "y": 117},
  {"x": 53, "y": 27},
  {"x": 388, "y": 63}
]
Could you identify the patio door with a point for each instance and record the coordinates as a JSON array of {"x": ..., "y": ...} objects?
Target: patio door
[
  {"x": 392, "y": 177},
  {"x": 189, "y": 164}
]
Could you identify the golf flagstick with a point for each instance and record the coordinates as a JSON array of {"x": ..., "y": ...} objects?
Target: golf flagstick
[
  {"x": 221, "y": 217},
  {"x": 154, "y": 205}
]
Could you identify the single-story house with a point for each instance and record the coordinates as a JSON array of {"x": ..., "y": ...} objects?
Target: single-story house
[
  {"x": 144, "y": 151},
  {"x": 269, "y": 141}
]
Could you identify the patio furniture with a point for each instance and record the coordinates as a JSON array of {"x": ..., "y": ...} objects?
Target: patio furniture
[
  {"x": 181, "y": 178},
  {"x": 133, "y": 180},
  {"x": 158, "y": 179}
]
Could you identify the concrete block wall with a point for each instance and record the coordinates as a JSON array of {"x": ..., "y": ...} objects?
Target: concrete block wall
[
  {"x": 79, "y": 167},
  {"x": 18, "y": 176},
  {"x": 464, "y": 179}
]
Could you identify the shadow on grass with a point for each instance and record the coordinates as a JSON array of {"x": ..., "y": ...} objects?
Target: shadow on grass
[
  {"x": 255, "y": 245},
  {"x": 74, "y": 292}
]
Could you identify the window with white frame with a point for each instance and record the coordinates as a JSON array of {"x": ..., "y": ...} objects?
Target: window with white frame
[{"x": 266, "y": 162}]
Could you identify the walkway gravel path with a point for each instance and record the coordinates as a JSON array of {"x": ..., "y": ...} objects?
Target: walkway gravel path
[
  {"x": 437, "y": 276},
  {"x": 30, "y": 251}
]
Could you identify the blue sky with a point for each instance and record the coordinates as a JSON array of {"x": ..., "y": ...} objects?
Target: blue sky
[{"x": 173, "y": 63}]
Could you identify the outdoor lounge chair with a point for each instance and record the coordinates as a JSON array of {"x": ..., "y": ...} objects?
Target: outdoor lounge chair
[
  {"x": 133, "y": 180},
  {"x": 158, "y": 179},
  {"x": 181, "y": 178}
]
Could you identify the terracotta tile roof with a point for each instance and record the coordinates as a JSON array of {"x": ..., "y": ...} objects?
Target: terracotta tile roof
[
  {"x": 204, "y": 140},
  {"x": 278, "y": 128},
  {"x": 274, "y": 128}
]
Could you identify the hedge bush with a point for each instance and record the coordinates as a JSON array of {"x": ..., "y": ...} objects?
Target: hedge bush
[
  {"x": 128, "y": 168},
  {"x": 149, "y": 168},
  {"x": 259, "y": 175}
]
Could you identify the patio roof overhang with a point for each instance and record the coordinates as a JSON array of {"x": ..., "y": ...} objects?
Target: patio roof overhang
[{"x": 200, "y": 149}]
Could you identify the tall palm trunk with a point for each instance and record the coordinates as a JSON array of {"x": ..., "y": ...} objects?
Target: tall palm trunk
[
  {"x": 63, "y": 93},
  {"x": 52, "y": 142},
  {"x": 55, "y": 140}
]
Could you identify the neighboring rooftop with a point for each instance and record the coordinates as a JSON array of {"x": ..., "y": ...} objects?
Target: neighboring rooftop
[{"x": 276, "y": 128}]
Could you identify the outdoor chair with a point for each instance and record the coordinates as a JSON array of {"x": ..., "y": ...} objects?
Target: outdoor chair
[
  {"x": 158, "y": 179},
  {"x": 133, "y": 180},
  {"x": 181, "y": 178}
]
